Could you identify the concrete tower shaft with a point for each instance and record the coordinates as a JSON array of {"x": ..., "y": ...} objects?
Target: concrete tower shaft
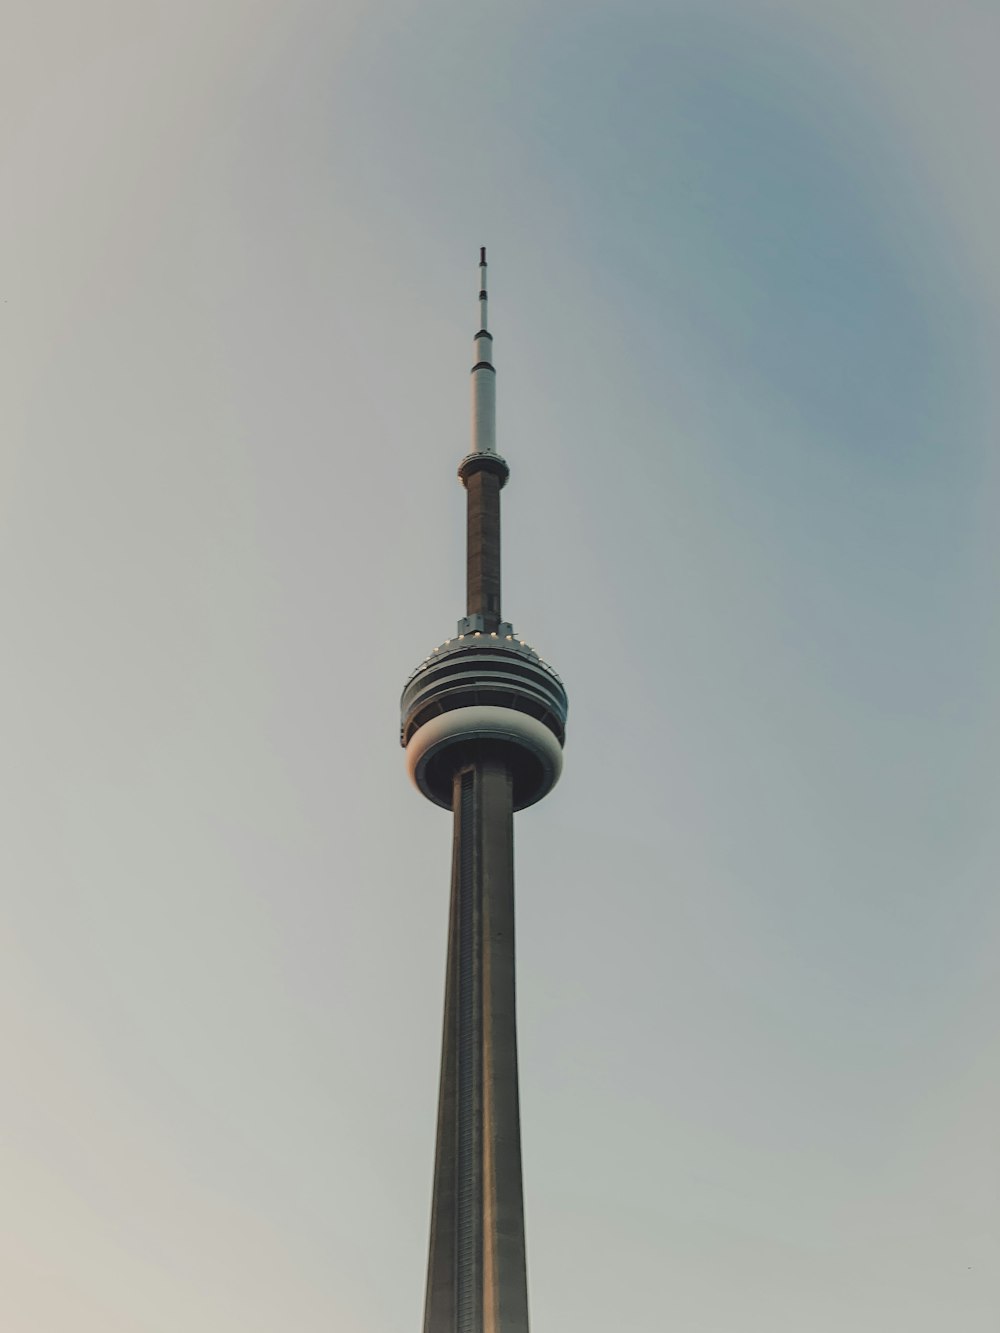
[{"x": 477, "y": 1271}]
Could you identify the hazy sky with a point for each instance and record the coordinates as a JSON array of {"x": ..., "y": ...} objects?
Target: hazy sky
[{"x": 745, "y": 280}]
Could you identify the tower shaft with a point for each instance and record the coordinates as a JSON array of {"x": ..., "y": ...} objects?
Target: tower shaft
[{"x": 476, "y": 1279}]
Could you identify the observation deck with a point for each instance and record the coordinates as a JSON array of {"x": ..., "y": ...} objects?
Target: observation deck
[{"x": 484, "y": 692}]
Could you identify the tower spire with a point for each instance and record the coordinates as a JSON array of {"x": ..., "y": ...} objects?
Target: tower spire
[
  {"x": 484, "y": 376},
  {"x": 483, "y": 474}
]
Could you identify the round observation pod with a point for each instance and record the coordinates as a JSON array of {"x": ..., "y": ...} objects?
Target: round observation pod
[{"x": 483, "y": 691}]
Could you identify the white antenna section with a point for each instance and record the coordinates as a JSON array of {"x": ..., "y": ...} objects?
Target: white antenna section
[{"x": 484, "y": 377}]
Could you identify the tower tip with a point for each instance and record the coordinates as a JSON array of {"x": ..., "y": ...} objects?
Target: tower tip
[{"x": 482, "y": 254}]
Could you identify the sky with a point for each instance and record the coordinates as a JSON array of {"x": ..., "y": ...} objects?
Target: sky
[{"x": 745, "y": 283}]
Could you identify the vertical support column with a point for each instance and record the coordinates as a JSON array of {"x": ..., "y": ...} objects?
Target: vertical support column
[
  {"x": 468, "y": 1036},
  {"x": 476, "y": 1279},
  {"x": 439, "y": 1302},
  {"x": 505, "y": 1282}
]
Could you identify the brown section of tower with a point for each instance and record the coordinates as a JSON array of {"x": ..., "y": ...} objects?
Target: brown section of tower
[{"x": 483, "y": 547}]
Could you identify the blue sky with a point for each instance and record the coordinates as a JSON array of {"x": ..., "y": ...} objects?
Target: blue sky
[{"x": 744, "y": 293}]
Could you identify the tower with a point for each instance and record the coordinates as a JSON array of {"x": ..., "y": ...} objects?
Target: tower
[{"x": 483, "y": 725}]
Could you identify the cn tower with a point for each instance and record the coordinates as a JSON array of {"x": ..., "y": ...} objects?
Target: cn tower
[{"x": 483, "y": 725}]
